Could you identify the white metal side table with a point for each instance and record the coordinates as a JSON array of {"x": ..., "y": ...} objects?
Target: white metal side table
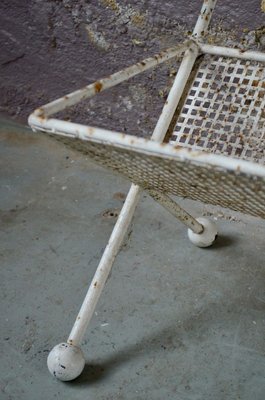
[{"x": 215, "y": 154}]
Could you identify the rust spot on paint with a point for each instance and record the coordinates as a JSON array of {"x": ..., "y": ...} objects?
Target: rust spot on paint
[
  {"x": 95, "y": 284},
  {"x": 90, "y": 131},
  {"x": 178, "y": 147},
  {"x": 40, "y": 111},
  {"x": 66, "y": 97},
  {"x": 98, "y": 86},
  {"x": 42, "y": 117}
]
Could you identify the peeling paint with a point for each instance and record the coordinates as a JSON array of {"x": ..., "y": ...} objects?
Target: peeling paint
[
  {"x": 112, "y": 4},
  {"x": 97, "y": 38},
  {"x": 126, "y": 13}
]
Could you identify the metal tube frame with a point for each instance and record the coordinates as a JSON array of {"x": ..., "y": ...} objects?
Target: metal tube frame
[
  {"x": 175, "y": 210},
  {"x": 39, "y": 120},
  {"x": 105, "y": 265}
]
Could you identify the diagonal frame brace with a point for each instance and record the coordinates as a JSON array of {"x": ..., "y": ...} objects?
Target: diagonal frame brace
[{"x": 175, "y": 210}]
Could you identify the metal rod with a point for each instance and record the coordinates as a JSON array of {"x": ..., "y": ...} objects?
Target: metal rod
[
  {"x": 174, "y": 209},
  {"x": 104, "y": 267},
  {"x": 70, "y": 129},
  {"x": 228, "y": 52},
  {"x": 124, "y": 219},
  {"x": 113, "y": 80},
  {"x": 183, "y": 73},
  {"x": 204, "y": 18},
  {"x": 175, "y": 94}
]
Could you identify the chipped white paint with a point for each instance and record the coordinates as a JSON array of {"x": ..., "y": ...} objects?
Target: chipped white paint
[
  {"x": 229, "y": 52},
  {"x": 97, "y": 38},
  {"x": 204, "y": 18}
]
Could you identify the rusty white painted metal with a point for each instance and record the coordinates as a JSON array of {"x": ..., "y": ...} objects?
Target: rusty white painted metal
[
  {"x": 204, "y": 18},
  {"x": 125, "y": 217},
  {"x": 177, "y": 211},
  {"x": 201, "y": 232},
  {"x": 230, "y": 52},
  {"x": 149, "y": 147},
  {"x": 113, "y": 80},
  {"x": 184, "y": 71},
  {"x": 175, "y": 94},
  {"x": 104, "y": 267}
]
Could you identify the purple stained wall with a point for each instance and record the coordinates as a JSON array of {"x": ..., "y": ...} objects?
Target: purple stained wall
[{"x": 49, "y": 48}]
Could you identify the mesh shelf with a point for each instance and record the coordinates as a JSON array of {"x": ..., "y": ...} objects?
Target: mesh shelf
[{"x": 224, "y": 111}]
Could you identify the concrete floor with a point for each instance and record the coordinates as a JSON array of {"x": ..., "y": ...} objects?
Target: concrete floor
[{"x": 174, "y": 321}]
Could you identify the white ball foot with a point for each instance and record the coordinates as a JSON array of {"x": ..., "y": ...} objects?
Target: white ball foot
[
  {"x": 207, "y": 237},
  {"x": 66, "y": 362}
]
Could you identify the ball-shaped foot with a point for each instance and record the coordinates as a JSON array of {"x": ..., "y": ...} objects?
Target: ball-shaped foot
[
  {"x": 66, "y": 362},
  {"x": 207, "y": 237}
]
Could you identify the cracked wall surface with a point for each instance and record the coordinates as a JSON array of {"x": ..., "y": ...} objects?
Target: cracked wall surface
[{"x": 52, "y": 47}]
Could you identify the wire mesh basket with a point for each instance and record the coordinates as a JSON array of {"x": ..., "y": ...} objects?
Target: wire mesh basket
[
  {"x": 224, "y": 110},
  {"x": 220, "y": 113}
]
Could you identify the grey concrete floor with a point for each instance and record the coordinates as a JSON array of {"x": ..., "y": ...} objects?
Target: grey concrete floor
[{"x": 174, "y": 321}]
